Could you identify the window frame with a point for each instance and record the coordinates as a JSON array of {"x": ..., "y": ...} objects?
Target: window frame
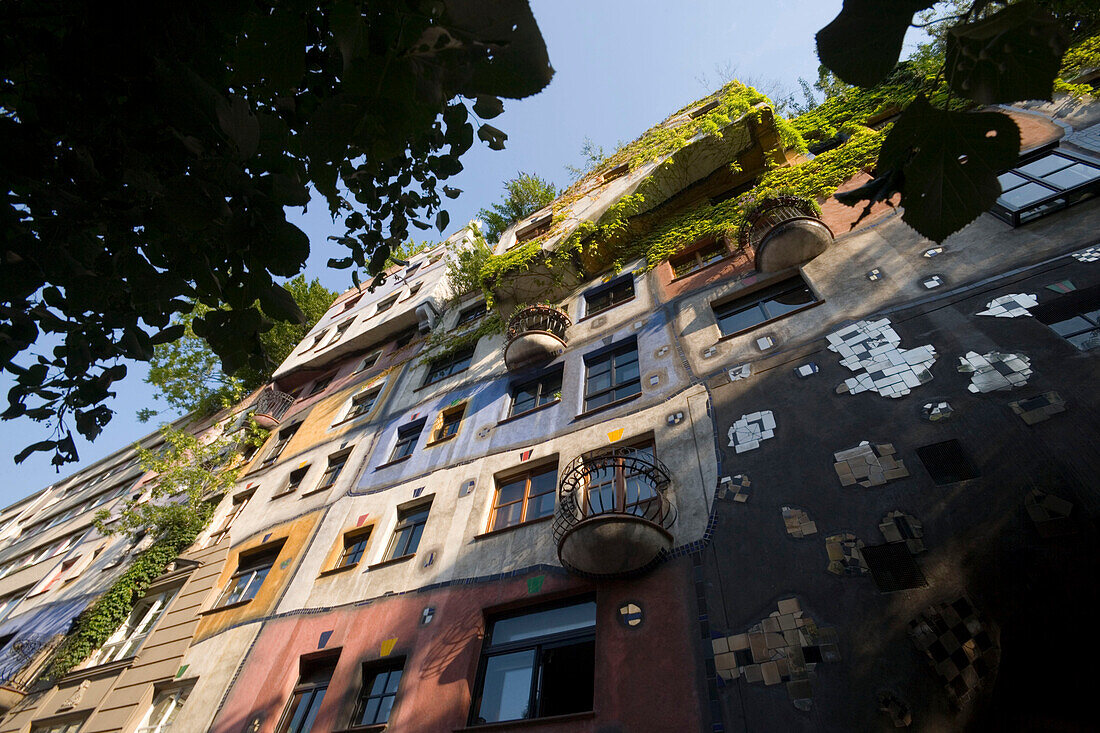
[
  {"x": 329, "y": 477},
  {"x": 1081, "y": 303},
  {"x": 693, "y": 255},
  {"x": 452, "y": 415},
  {"x": 404, "y": 433},
  {"x": 619, "y": 481},
  {"x": 311, "y": 690},
  {"x": 239, "y": 502},
  {"x": 610, "y": 353},
  {"x": 368, "y": 361},
  {"x": 352, "y": 539},
  {"x": 341, "y": 329},
  {"x": 608, "y": 287},
  {"x": 524, "y": 501},
  {"x": 445, "y": 367},
  {"x": 413, "y": 538},
  {"x": 320, "y": 384},
  {"x": 127, "y": 640},
  {"x": 758, "y": 298},
  {"x": 362, "y": 701},
  {"x": 356, "y": 401},
  {"x": 556, "y": 373},
  {"x": 1056, "y": 198},
  {"x": 282, "y": 439},
  {"x": 292, "y": 483},
  {"x": 250, "y": 563},
  {"x": 386, "y": 303},
  {"x": 178, "y": 695},
  {"x": 471, "y": 314}
]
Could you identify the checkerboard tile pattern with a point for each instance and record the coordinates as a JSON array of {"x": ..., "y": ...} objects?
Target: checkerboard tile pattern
[
  {"x": 871, "y": 350},
  {"x": 995, "y": 371},
  {"x": 1012, "y": 305},
  {"x": 752, "y": 429}
]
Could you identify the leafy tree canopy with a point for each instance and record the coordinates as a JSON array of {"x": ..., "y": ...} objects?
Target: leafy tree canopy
[
  {"x": 944, "y": 160},
  {"x": 150, "y": 150},
  {"x": 523, "y": 195},
  {"x": 188, "y": 375}
]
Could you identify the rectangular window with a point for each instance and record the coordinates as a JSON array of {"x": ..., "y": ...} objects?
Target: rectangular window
[
  {"x": 69, "y": 726},
  {"x": 698, "y": 257},
  {"x": 406, "y": 440},
  {"x": 129, "y": 637},
  {"x": 240, "y": 501},
  {"x": 368, "y": 361},
  {"x": 471, "y": 315},
  {"x": 355, "y": 543},
  {"x": 280, "y": 443},
  {"x": 386, "y": 304},
  {"x": 411, "y": 269},
  {"x": 536, "y": 393},
  {"x": 404, "y": 338},
  {"x": 165, "y": 709},
  {"x": 320, "y": 385},
  {"x": 305, "y": 701},
  {"x": 1075, "y": 317},
  {"x": 380, "y": 685},
  {"x": 296, "y": 477},
  {"x": 537, "y": 664},
  {"x": 609, "y": 295},
  {"x": 524, "y": 498},
  {"x": 536, "y": 228},
  {"x": 341, "y": 330},
  {"x": 362, "y": 403},
  {"x": 406, "y": 535},
  {"x": 251, "y": 571},
  {"x": 317, "y": 339},
  {"x": 449, "y": 365},
  {"x": 779, "y": 300},
  {"x": 611, "y": 375},
  {"x": 414, "y": 290},
  {"x": 447, "y": 424},
  {"x": 615, "y": 483},
  {"x": 332, "y": 470},
  {"x": 350, "y": 303}
]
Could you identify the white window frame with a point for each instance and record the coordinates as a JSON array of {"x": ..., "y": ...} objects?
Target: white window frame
[
  {"x": 128, "y": 638},
  {"x": 176, "y": 696}
]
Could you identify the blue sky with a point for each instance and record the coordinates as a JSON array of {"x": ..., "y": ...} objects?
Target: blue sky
[{"x": 620, "y": 67}]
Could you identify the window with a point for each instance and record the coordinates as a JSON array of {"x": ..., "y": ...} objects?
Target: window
[
  {"x": 350, "y": 303},
  {"x": 698, "y": 257},
  {"x": 536, "y": 393},
  {"x": 317, "y": 340},
  {"x": 1075, "y": 317},
  {"x": 446, "y": 426},
  {"x": 404, "y": 338},
  {"x": 340, "y": 331},
  {"x": 471, "y": 315},
  {"x": 449, "y": 365},
  {"x": 280, "y": 443},
  {"x": 406, "y": 535},
  {"x": 355, "y": 543},
  {"x": 539, "y": 226},
  {"x": 406, "y": 440},
  {"x": 240, "y": 501},
  {"x": 164, "y": 710},
  {"x": 753, "y": 310},
  {"x": 611, "y": 376},
  {"x": 251, "y": 571},
  {"x": 332, "y": 470},
  {"x": 320, "y": 385},
  {"x": 70, "y": 726},
  {"x": 379, "y": 691},
  {"x": 411, "y": 270},
  {"x": 1050, "y": 182},
  {"x": 368, "y": 361},
  {"x": 414, "y": 290},
  {"x": 537, "y": 664},
  {"x": 609, "y": 295},
  {"x": 362, "y": 403},
  {"x": 616, "y": 484},
  {"x": 7, "y": 604},
  {"x": 296, "y": 477},
  {"x": 128, "y": 638},
  {"x": 524, "y": 498},
  {"x": 304, "y": 703},
  {"x": 386, "y": 304}
]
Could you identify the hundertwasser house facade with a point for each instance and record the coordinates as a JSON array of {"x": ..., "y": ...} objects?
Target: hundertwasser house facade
[{"x": 691, "y": 451}]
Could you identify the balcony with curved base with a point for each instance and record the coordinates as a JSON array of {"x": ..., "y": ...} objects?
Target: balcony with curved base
[
  {"x": 270, "y": 407},
  {"x": 536, "y": 335},
  {"x": 784, "y": 231},
  {"x": 614, "y": 514}
]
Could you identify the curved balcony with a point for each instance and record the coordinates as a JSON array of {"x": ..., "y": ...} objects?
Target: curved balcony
[
  {"x": 536, "y": 334},
  {"x": 270, "y": 406},
  {"x": 785, "y": 231},
  {"x": 614, "y": 513}
]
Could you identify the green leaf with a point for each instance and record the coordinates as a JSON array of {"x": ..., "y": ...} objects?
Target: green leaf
[
  {"x": 493, "y": 136},
  {"x": 451, "y": 193},
  {"x": 442, "y": 219},
  {"x": 862, "y": 44},
  {"x": 1010, "y": 56},
  {"x": 487, "y": 107},
  {"x": 277, "y": 302},
  {"x": 950, "y": 162},
  {"x": 240, "y": 125}
]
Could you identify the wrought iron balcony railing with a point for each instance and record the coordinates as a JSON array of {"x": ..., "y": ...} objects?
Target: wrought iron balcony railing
[
  {"x": 271, "y": 406},
  {"x": 535, "y": 333},
  {"x": 784, "y": 231}
]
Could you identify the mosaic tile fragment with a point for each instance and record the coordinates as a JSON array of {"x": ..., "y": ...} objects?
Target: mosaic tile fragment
[
  {"x": 798, "y": 523},
  {"x": 961, "y": 646},
  {"x": 932, "y": 252},
  {"x": 871, "y": 350},
  {"x": 868, "y": 465},
  {"x": 844, "y": 554},
  {"x": 1062, "y": 286},
  {"x": 740, "y": 485},
  {"x": 807, "y": 370},
  {"x": 1039, "y": 408},
  {"x": 995, "y": 371},
  {"x": 1012, "y": 305},
  {"x": 898, "y": 710},
  {"x": 936, "y": 411},
  {"x": 875, "y": 274},
  {"x": 738, "y": 373},
  {"x": 1089, "y": 254},
  {"x": 747, "y": 433},
  {"x": 1049, "y": 513},
  {"x": 765, "y": 342},
  {"x": 932, "y": 281},
  {"x": 897, "y": 526}
]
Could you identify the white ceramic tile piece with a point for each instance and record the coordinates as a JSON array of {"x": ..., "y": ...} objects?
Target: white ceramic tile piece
[
  {"x": 747, "y": 433},
  {"x": 995, "y": 371},
  {"x": 871, "y": 350},
  {"x": 1090, "y": 254},
  {"x": 1012, "y": 305}
]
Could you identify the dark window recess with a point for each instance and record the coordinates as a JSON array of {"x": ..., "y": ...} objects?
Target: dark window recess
[
  {"x": 471, "y": 314},
  {"x": 251, "y": 571},
  {"x": 609, "y": 295},
  {"x": 306, "y": 699},
  {"x": 386, "y": 304},
  {"x": 407, "y": 533},
  {"x": 320, "y": 385},
  {"x": 354, "y": 545},
  {"x": 698, "y": 258},
  {"x": 404, "y": 338},
  {"x": 537, "y": 665},
  {"x": 450, "y": 420},
  {"x": 893, "y": 567},
  {"x": 280, "y": 443},
  {"x": 296, "y": 477},
  {"x": 332, "y": 471},
  {"x": 341, "y": 330},
  {"x": 351, "y": 303},
  {"x": 414, "y": 290},
  {"x": 611, "y": 375},
  {"x": 361, "y": 404},
  {"x": 536, "y": 392},
  {"x": 318, "y": 338},
  {"x": 1044, "y": 184},
  {"x": 368, "y": 361},
  {"x": 406, "y": 440},
  {"x": 763, "y": 305},
  {"x": 534, "y": 229},
  {"x": 1075, "y": 317},
  {"x": 616, "y": 172},
  {"x": 946, "y": 462},
  {"x": 411, "y": 270},
  {"x": 704, "y": 109},
  {"x": 449, "y": 365},
  {"x": 524, "y": 498},
  {"x": 379, "y": 692}
]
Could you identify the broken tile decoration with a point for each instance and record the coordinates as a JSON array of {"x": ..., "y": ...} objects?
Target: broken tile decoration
[
  {"x": 1063, "y": 286},
  {"x": 930, "y": 253},
  {"x": 709, "y": 352},
  {"x": 740, "y": 485},
  {"x": 807, "y": 370},
  {"x": 936, "y": 411},
  {"x": 786, "y": 647},
  {"x": 662, "y": 351},
  {"x": 932, "y": 281},
  {"x": 995, "y": 371},
  {"x": 798, "y": 523},
  {"x": 630, "y": 614},
  {"x": 1049, "y": 513},
  {"x": 765, "y": 342},
  {"x": 748, "y": 432},
  {"x": 844, "y": 554},
  {"x": 868, "y": 465},
  {"x": 897, "y": 526},
  {"x": 654, "y": 380},
  {"x": 387, "y": 647},
  {"x": 961, "y": 647},
  {"x": 675, "y": 418},
  {"x": 740, "y": 372},
  {"x": 875, "y": 274},
  {"x": 892, "y": 567},
  {"x": 870, "y": 348},
  {"x": 613, "y": 436},
  {"x": 1037, "y": 409},
  {"x": 1089, "y": 254},
  {"x": 427, "y": 615},
  {"x": 1012, "y": 305},
  {"x": 890, "y": 704},
  {"x": 484, "y": 432}
]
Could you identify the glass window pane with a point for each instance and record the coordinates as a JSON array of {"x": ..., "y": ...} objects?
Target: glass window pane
[
  {"x": 598, "y": 382},
  {"x": 392, "y": 680},
  {"x": 509, "y": 515},
  {"x": 506, "y": 691},
  {"x": 544, "y": 623},
  {"x": 540, "y": 506},
  {"x": 370, "y": 712},
  {"x": 738, "y": 320},
  {"x": 1085, "y": 341},
  {"x": 511, "y": 492},
  {"x": 786, "y": 302},
  {"x": 1070, "y": 326},
  {"x": 626, "y": 372},
  {"x": 1075, "y": 175},
  {"x": 543, "y": 482},
  {"x": 1045, "y": 165},
  {"x": 1024, "y": 195}
]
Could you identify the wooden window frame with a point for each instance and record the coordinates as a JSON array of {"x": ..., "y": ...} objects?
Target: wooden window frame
[{"x": 527, "y": 476}]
